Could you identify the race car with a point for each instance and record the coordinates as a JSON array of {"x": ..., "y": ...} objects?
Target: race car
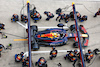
[{"x": 56, "y": 36}]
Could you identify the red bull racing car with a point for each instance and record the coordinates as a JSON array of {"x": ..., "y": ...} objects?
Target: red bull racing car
[{"x": 56, "y": 36}]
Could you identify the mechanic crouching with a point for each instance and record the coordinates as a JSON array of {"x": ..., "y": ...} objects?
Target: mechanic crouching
[
  {"x": 84, "y": 18},
  {"x": 89, "y": 56},
  {"x": 1, "y": 47},
  {"x": 72, "y": 56},
  {"x": 49, "y": 15},
  {"x": 41, "y": 62},
  {"x": 24, "y": 18},
  {"x": 25, "y": 62},
  {"x": 2, "y": 26},
  {"x": 14, "y": 18},
  {"x": 72, "y": 15},
  {"x": 53, "y": 53},
  {"x": 19, "y": 57}
]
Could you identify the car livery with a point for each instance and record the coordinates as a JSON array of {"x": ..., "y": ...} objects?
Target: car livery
[{"x": 57, "y": 36}]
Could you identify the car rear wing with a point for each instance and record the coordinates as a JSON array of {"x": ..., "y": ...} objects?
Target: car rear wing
[{"x": 86, "y": 39}]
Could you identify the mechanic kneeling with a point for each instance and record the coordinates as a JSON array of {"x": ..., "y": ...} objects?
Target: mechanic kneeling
[
  {"x": 19, "y": 57},
  {"x": 25, "y": 62},
  {"x": 84, "y": 18},
  {"x": 89, "y": 56},
  {"x": 1, "y": 47},
  {"x": 2, "y": 26},
  {"x": 14, "y": 18},
  {"x": 53, "y": 53}
]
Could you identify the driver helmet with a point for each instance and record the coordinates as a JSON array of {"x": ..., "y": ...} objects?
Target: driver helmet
[{"x": 55, "y": 34}]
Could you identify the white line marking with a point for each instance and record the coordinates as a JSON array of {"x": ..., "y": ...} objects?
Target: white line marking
[
  {"x": 25, "y": 26},
  {"x": 52, "y": 27},
  {"x": 59, "y": 51}
]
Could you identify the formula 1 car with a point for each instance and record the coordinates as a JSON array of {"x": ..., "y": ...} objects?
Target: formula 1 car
[{"x": 56, "y": 36}]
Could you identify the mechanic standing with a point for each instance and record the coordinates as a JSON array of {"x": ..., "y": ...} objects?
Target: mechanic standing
[
  {"x": 97, "y": 13},
  {"x": 53, "y": 53},
  {"x": 49, "y": 15},
  {"x": 1, "y": 47},
  {"x": 61, "y": 15},
  {"x": 19, "y": 57}
]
